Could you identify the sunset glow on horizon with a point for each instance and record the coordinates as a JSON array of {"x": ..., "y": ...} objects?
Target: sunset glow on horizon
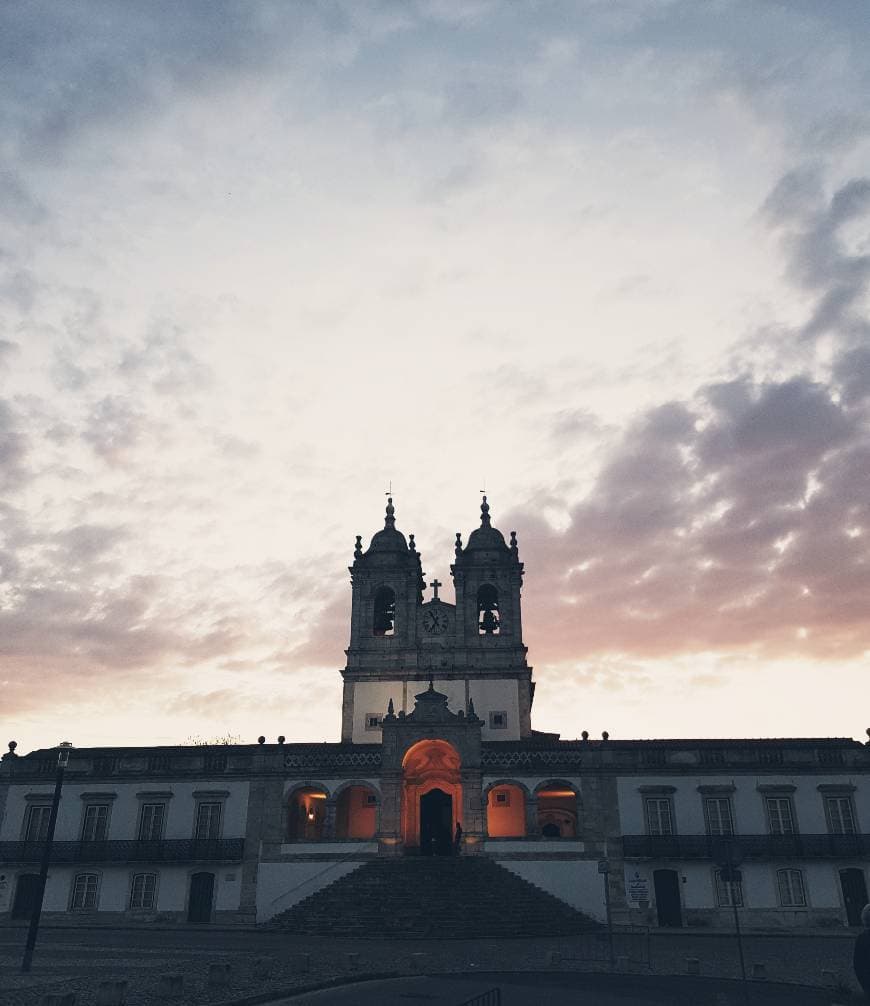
[{"x": 260, "y": 261}]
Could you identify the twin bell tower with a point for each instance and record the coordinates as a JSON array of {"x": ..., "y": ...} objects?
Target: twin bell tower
[{"x": 471, "y": 652}]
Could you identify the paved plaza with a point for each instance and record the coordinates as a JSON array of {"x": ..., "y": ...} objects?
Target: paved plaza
[{"x": 529, "y": 971}]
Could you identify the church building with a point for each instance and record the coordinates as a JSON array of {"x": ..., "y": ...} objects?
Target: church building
[{"x": 438, "y": 758}]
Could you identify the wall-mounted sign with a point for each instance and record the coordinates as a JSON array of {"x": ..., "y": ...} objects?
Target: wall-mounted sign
[{"x": 636, "y": 886}]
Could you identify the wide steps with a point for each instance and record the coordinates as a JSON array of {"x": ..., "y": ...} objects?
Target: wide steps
[{"x": 432, "y": 897}]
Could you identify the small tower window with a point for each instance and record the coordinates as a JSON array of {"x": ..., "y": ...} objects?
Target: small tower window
[
  {"x": 384, "y": 620},
  {"x": 487, "y": 610}
]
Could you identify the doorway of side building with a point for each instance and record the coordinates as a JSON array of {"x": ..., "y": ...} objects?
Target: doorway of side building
[
  {"x": 666, "y": 884},
  {"x": 201, "y": 899},
  {"x": 26, "y": 895},
  {"x": 436, "y": 823},
  {"x": 854, "y": 887}
]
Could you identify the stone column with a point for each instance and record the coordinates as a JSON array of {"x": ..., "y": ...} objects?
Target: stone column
[
  {"x": 472, "y": 811},
  {"x": 390, "y": 834},
  {"x": 328, "y": 833},
  {"x": 533, "y": 829}
]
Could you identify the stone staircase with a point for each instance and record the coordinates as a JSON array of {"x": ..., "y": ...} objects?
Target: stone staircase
[{"x": 418, "y": 897}]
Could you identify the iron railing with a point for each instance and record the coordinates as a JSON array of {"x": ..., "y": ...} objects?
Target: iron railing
[
  {"x": 491, "y": 998},
  {"x": 170, "y": 850},
  {"x": 749, "y": 846}
]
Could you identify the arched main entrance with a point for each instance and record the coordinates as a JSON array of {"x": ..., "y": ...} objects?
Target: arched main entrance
[{"x": 431, "y": 797}]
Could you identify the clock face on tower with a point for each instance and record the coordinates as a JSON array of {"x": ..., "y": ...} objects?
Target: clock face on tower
[{"x": 435, "y": 621}]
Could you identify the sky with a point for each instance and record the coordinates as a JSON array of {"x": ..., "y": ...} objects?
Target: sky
[{"x": 608, "y": 259}]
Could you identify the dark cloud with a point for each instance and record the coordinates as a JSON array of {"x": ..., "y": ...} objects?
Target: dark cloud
[
  {"x": 715, "y": 525},
  {"x": 739, "y": 518},
  {"x": 818, "y": 259}
]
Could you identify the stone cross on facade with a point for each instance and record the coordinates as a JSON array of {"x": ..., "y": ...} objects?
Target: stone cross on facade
[{"x": 435, "y": 584}]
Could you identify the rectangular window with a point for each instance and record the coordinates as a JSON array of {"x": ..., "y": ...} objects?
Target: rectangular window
[
  {"x": 370, "y": 800},
  {"x": 37, "y": 823},
  {"x": 498, "y": 720},
  {"x": 503, "y": 798},
  {"x": 142, "y": 890},
  {"x": 95, "y": 826},
  {"x": 791, "y": 888},
  {"x": 208, "y": 820},
  {"x": 729, "y": 892},
  {"x": 84, "y": 894},
  {"x": 658, "y": 816},
  {"x": 151, "y": 822},
  {"x": 779, "y": 815},
  {"x": 373, "y": 721},
  {"x": 717, "y": 814},
  {"x": 841, "y": 815}
]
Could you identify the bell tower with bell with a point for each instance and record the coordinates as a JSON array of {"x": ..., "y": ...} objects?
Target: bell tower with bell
[
  {"x": 387, "y": 590},
  {"x": 488, "y": 576}
]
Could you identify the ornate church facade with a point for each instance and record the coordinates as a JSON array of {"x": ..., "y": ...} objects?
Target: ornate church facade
[{"x": 438, "y": 756}]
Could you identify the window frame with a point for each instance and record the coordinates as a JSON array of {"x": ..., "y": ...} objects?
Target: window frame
[
  {"x": 84, "y": 907},
  {"x": 721, "y": 886},
  {"x": 661, "y": 799},
  {"x": 145, "y": 806},
  {"x": 498, "y": 726},
  {"x": 28, "y": 821},
  {"x": 95, "y": 805},
  {"x": 724, "y": 799},
  {"x": 378, "y": 717},
  {"x": 133, "y": 878},
  {"x": 786, "y": 800},
  {"x": 789, "y": 872},
  {"x": 208, "y": 802},
  {"x": 844, "y": 799}
]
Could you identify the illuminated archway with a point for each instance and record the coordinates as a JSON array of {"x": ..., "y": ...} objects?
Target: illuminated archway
[
  {"x": 306, "y": 814},
  {"x": 356, "y": 812},
  {"x": 506, "y": 810},
  {"x": 429, "y": 765},
  {"x": 557, "y": 809}
]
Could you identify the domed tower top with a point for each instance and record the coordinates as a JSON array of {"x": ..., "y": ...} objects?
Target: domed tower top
[
  {"x": 488, "y": 576},
  {"x": 486, "y": 537},
  {"x": 389, "y": 539},
  {"x": 387, "y": 581}
]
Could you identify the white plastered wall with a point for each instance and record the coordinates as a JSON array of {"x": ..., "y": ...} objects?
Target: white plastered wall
[
  {"x": 489, "y": 695},
  {"x": 282, "y": 885},
  {"x": 578, "y": 883}
]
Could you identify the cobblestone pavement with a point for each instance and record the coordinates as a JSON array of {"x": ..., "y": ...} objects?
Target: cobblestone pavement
[{"x": 76, "y": 960}]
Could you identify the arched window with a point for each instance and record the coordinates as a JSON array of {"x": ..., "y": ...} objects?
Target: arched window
[
  {"x": 143, "y": 889},
  {"x": 557, "y": 812},
  {"x": 85, "y": 892},
  {"x": 306, "y": 815},
  {"x": 506, "y": 812},
  {"x": 356, "y": 813},
  {"x": 487, "y": 610},
  {"x": 384, "y": 620}
]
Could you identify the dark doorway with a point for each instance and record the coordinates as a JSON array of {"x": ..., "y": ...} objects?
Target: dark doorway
[
  {"x": 854, "y": 894},
  {"x": 201, "y": 897},
  {"x": 667, "y": 888},
  {"x": 436, "y": 823},
  {"x": 26, "y": 895}
]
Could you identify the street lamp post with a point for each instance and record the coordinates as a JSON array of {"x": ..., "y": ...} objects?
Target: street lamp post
[{"x": 33, "y": 930}]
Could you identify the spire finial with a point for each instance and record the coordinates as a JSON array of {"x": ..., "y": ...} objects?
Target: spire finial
[
  {"x": 484, "y": 513},
  {"x": 390, "y": 519},
  {"x": 391, "y": 709},
  {"x": 357, "y": 552},
  {"x": 431, "y": 681}
]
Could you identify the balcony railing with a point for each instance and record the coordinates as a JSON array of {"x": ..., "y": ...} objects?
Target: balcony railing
[
  {"x": 745, "y": 846},
  {"x": 170, "y": 850}
]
